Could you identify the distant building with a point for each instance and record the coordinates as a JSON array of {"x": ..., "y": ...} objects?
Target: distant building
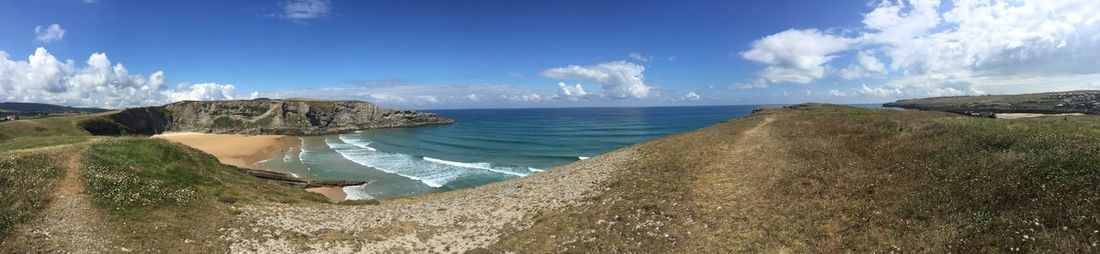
[{"x": 8, "y": 118}]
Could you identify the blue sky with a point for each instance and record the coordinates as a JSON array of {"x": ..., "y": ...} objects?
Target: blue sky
[{"x": 455, "y": 54}]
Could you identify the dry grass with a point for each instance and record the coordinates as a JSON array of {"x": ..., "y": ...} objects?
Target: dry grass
[{"x": 821, "y": 178}]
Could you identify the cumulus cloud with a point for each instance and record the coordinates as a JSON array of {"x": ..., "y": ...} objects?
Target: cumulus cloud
[
  {"x": 99, "y": 83},
  {"x": 619, "y": 79},
  {"x": 303, "y": 10},
  {"x": 931, "y": 48},
  {"x": 48, "y": 34},
  {"x": 794, "y": 55},
  {"x": 203, "y": 91},
  {"x": 566, "y": 90},
  {"x": 866, "y": 65}
]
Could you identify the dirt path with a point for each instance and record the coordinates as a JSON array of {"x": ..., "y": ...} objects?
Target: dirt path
[
  {"x": 729, "y": 194},
  {"x": 70, "y": 224}
]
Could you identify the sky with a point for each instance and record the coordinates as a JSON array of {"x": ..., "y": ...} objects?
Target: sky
[{"x": 515, "y": 54}]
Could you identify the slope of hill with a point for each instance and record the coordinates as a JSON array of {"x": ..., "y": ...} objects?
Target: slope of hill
[
  {"x": 809, "y": 178},
  {"x": 259, "y": 116},
  {"x": 1087, "y": 102}
]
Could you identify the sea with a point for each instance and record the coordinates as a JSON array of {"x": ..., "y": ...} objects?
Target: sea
[{"x": 484, "y": 146}]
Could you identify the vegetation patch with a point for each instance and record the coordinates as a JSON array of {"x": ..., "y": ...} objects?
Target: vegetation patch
[
  {"x": 227, "y": 122},
  {"x": 26, "y": 186},
  {"x": 157, "y": 194}
]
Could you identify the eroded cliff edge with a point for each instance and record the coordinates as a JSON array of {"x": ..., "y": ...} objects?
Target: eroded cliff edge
[{"x": 259, "y": 116}]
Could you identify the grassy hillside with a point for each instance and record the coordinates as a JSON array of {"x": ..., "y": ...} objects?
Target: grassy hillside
[
  {"x": 820, "y": 178},
  {"x": 1087, "y": 102},
  {"x": 142, "y": 194},
  {"x": 156, "y": 194}
]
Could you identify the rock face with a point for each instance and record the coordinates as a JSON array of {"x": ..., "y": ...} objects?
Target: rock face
[{"x": 261, "y": 116}]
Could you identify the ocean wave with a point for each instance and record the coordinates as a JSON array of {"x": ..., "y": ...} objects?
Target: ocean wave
[
  {"x": 355, "y": 192},
  {"x": 357, "y": 142},
  {"x": 478, "y": 165},
  {"x": 400, "y": 164},
  {"x": 286, "y": 155},
  {"x": 302, "y": 151},
  {"x": 535, "y": 169},
  {"x": 583, "y": 157}
]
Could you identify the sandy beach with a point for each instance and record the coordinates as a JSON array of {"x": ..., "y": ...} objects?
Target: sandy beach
[
  {"x": 237, "y": 150},
  {"x": 244, "y": 151}
]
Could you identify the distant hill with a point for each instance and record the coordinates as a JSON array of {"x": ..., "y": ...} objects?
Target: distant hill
[
  {"x": 1087, "y": 102},
  {"x": 259, "y": 116},
  {"x": 24, "y": 108}
]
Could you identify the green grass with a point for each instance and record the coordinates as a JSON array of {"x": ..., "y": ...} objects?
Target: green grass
[
  {"x": 26, "y": 185},
  {"x": 959, "y": 183},
  {"x": 226, "y": 122},
  {"x": 33, "y": 142},
  {"x": 43, "y": 127},
  {"x": 156, "y": 193}
]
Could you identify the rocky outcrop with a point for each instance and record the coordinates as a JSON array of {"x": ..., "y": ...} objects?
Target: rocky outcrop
[{"x": 260, "y": 116}]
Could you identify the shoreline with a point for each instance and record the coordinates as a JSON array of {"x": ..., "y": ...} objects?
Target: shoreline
[{"x": 246, "y": 151}]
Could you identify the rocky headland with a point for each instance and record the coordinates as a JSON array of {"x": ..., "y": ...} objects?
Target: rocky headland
[{"x": 259, "y": 116}]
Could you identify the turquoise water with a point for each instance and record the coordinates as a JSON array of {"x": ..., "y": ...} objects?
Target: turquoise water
[{"x": 484, "y": 146}]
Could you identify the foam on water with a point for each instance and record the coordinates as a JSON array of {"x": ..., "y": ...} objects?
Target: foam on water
[
  {"x": 286, "y": 155},
  {"x": 583, "y": 157},
  {"x": 357, "y": 142},
  {"x": 355, "y": 192},
  {"x": 434, "y": 175},
  {"x": 478, "y": 165}
]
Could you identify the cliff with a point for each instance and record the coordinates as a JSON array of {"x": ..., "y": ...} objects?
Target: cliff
[{"x": 259, "y": 116}]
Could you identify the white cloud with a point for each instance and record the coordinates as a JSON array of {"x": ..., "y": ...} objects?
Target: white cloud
[
  {"x": 618, "y": 79},
  {"x": 640, "y": 57},
  {"x": 48, "y": 34},
  {"x": 202, "y": 92},
  {"x": 794, "y": 55},
  {"x": 691, "y": 96},
  {"x": 865, "y": 65},
  {"x": 302, "y": 10},
  {"x": 45, "y": 79},
  {"x": 566, "y": 90},
  {"x": 929, "y": 48},
  {"x": 473, "y": 97}
]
